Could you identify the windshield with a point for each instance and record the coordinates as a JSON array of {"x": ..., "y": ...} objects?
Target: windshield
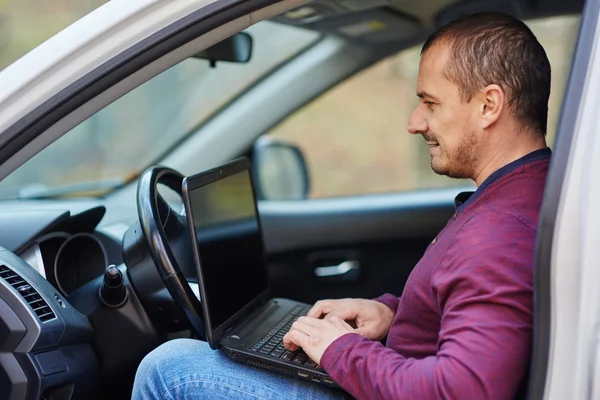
[{"x": 120, "y": 141}]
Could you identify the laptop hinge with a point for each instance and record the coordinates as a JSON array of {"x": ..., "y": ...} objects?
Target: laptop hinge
[{"x": 255, "y": 309}]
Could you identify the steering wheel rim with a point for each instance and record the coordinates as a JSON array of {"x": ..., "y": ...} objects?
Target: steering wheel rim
[{"x": 158, "y": 245}]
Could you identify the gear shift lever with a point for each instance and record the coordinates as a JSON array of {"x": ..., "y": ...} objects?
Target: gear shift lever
[{"x": 112, "y": 292}]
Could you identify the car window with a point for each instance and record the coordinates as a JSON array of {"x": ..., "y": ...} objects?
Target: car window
[
  {"x": 354, "y": 136},
  {"x": 120, "y": 141}
]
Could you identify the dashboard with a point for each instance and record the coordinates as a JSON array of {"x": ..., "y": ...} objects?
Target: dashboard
[
  {"x": 57, "y": 337},
  {"x": 70, "y": 258},
  {"x": 67, "y": 261}
]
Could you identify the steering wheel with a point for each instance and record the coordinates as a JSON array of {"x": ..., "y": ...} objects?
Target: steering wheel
[{"x": 154, "y": 212}]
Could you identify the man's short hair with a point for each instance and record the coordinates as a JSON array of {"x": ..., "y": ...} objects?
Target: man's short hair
[{"x": 495, "y": 48}]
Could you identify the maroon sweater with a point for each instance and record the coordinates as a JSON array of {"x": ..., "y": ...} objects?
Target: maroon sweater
[{"x": 463, "y": 325}]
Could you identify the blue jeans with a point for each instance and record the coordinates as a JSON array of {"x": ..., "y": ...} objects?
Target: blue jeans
[{"x": 190, "y": 369}]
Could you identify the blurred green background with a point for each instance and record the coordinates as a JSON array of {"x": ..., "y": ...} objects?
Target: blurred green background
[
  {"x": 353, "y": 136},
  {"x": 25, "y": 24}
]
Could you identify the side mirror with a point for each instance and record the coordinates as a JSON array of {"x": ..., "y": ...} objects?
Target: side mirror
[
  {"x": 280, "y": 171},
  {"x": 236, "y": 48}
]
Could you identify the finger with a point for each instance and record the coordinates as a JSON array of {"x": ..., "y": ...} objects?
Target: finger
[
  {"x": 290, "y": 346},
  {"x": 366, "y": 331},
  {"x": 335, "y": 320},
  {"x": 340, "y": 323},
  {"x": 294, "y": 339},
  {"x": 309, "y": 321},
  {"x": 307, "y": 325},
  {"x": 298, "y": 327},
  {"x": 343, "y": 313},
  {"x": 321, "y": 307}
]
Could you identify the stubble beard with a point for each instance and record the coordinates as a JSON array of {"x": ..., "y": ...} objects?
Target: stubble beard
[{"x": 460, "y": 163}]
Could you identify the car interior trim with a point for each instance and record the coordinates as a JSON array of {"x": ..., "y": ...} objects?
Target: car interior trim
[
  {"x": 59, "y": 267},
  {"x": 543, "y": 294},
  {"x": 32, "y": 255},
  {"x": 324, "y": 222}
]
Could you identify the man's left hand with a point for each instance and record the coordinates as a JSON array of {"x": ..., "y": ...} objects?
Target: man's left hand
[{"x": 315, "y": 335}]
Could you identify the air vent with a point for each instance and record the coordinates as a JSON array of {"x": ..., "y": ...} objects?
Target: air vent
[
  {"x": 272, "y": 367},
  {"x": 31, "y": 296}
]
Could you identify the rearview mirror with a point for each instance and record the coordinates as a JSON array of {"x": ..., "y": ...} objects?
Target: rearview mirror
[
  {"x": 280, "y": 171},
  {"x": 237, "y": 48}
]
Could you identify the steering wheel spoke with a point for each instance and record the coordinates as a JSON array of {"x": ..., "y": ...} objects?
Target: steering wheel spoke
[{"x": 153, "y": 213}]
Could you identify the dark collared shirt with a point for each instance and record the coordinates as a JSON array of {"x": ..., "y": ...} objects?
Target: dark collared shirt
[{"x": 463, "y": 324}]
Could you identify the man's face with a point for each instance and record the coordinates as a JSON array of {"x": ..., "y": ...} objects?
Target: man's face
[{"x": 447, "y": 124}]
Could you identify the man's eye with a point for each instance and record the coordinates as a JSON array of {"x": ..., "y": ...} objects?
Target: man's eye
[{"x": 429, "y": 104}]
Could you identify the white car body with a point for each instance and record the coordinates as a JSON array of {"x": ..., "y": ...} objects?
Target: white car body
[{"x": 120, "y": 27}]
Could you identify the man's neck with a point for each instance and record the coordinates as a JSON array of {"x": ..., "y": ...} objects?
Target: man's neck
[{"x": 508, "y": 153}]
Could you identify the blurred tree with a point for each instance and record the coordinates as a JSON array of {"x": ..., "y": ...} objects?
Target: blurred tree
[
  {"x": 3, "y": 30},
  {"x": 24, "y": 24}
]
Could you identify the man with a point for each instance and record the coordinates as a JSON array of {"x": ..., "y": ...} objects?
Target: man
[{"x": 462, "y": 327}]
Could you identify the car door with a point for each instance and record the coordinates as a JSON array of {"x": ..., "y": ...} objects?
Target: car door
[
  {"x": 348, "y": 199},
  {"x": 565, "y": 353}
]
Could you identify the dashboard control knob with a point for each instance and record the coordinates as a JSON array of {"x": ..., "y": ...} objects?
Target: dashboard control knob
[{"x": 113, "y": 292}]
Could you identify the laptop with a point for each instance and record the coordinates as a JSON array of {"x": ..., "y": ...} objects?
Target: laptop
[{"x": 241, "y": 318}]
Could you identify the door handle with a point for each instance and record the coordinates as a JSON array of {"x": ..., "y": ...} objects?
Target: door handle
[{"x": 341, "y": 269}]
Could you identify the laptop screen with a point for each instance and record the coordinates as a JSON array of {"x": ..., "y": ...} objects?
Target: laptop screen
[{"x": 230, "y": 246}]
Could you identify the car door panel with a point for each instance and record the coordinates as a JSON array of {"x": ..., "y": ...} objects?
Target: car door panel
[{"x": 352, "y": 247}]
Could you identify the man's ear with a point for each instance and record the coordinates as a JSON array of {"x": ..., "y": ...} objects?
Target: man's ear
[{"x": 491, "y": 105}]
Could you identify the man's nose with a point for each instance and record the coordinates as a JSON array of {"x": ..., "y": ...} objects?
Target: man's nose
[{"x": 416, "y": 123}]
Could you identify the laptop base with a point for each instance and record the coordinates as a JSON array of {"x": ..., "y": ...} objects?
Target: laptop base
[{"x": 243, "y": 344}]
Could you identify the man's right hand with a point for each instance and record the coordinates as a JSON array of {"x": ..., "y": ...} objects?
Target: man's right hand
[{"x": 371, "y": 318}]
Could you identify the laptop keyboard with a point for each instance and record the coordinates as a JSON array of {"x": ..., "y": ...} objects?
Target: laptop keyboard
[{"x": 272, "y": 343}]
